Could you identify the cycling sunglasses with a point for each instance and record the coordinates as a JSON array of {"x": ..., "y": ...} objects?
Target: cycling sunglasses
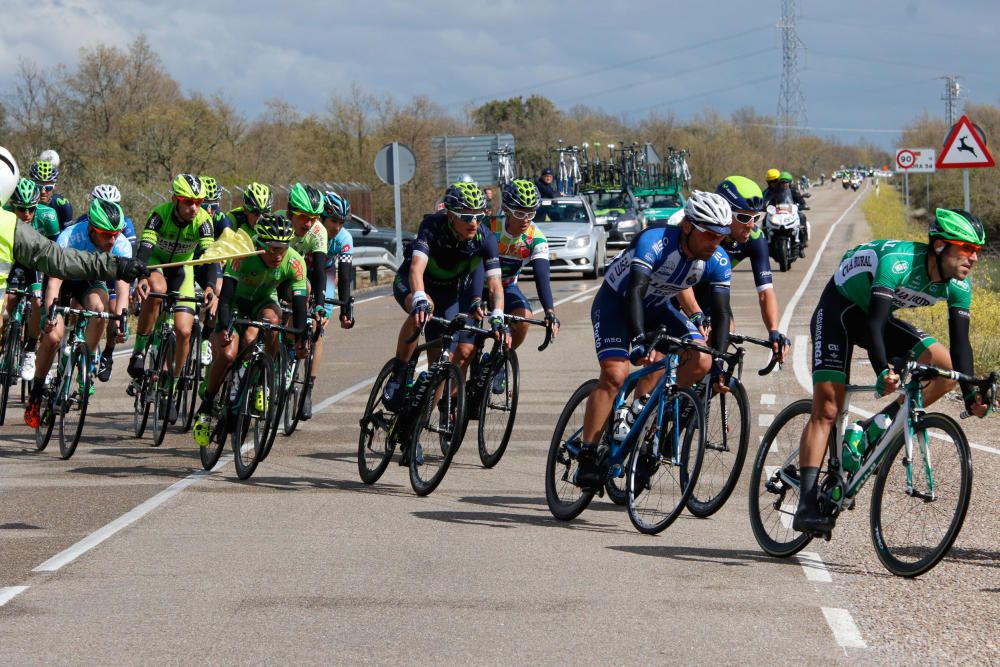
[
  {"x": 188, "y": 201},
  {"x": 966, "y": 249},
  {"x": 703, "y": 230},
  {"x": 25, "y": 208},
  {"x": 211, "y": 207},
  {"x": 469, "y": 218},
  {"x": 519, "y": 214},
  {"x": 747, "y": 218},
  {"x": 47, "y": 187},
  {"x": 110, "y": 235},
  {"x": 310, "y": 216}
]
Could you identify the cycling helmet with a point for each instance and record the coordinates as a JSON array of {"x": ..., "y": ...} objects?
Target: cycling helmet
[
  {"x": 210, "y": 187},
  {"x": 188, "y": 185},
  {"x": 43, "y": 171},
  {"x": 772, "y": 175},
  {"x": 305, "y": 198},
  {"x": 25, "y": 195},
  {"x": 106, "y": 216},
  {"x": 50, "y": 155},
  {"x": 521, "y": 193},
  {"x": 785, "y": 177},
  {"x": 335, "y": 206},
  {"x": 708, "y": 211},
  {"x": 257, "y": 198},
  {"x": 957, "y": 225},
  {"x": 463, "y": 195},
  {"x": 107, "y": 192},
  {"x": 741, "y": 193},
  {"x": 272, "y": 228},
  {"x": 466, "y": 178},
  {"x": 9, "y": 175}
]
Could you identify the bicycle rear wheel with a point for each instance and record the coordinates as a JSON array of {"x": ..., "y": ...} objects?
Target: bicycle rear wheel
[
  {"x": 498, "y": 410},
  {"x": 437, "y": 429},
  {"x": 664, "y": 464},
  {"x": 186, "y": 397},
  {"x": 142, "y": 402},
  {"x": 9, "y": 371},
  {"x": 73, "y": 399},
  {"x": 163, "y": 387},
  {"x": 565, "y": 499},
  {"x": 249, "y": 436},
  {"x": 211, "y": 452},
  {"x": 276, "y": 406},
  {"x": 913, "y": 530},
  {"x": 43, "y": 434},
  {"x": 727, "y": 436},
  {"x": 774, "y": 483},
  {"x": 375, "y": 444},
  {"x": 296, "y": 391}
]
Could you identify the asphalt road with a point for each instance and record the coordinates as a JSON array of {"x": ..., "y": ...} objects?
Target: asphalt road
[{"x": 123, "y": 555}]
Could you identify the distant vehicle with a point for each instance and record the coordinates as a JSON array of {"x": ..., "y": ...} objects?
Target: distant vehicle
[
  {"x": 657, "y": 204},
  {"x": 374, "y": 247},
  {"x": 617, "y": 206},
  {"x": 577, "y": 242}
]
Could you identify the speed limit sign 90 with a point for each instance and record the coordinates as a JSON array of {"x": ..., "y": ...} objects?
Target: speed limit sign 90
[
  {"x": 915, "y": 160},
  {"x": 905, "y": 159}
]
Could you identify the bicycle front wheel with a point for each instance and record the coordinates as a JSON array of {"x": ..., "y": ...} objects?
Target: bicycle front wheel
[
  {"x": 249, "y": 436},
  {"x": 163, "y": 388},
  {"x": 211, "y": 452},
  {"x": 913, "y": 525},
  {"x": 9, "y": 371},
  {"x": 43, "y": 434},
  {"x": 186, "y": 397},
  {"x": 437, "y": 431},
  {"x": 497, "y": 410},
  {"x": 73, "y": 399},
  {"x": 276, "y": 406},
  {"x": 375, "y": 444},
  {"x": 565, "y": 499},
  {"x": 664, "y": 464},
  {"x": 727, "y": 436},
  {"x": 774, "y": 483},
  {"x": 296, "y": 391}
]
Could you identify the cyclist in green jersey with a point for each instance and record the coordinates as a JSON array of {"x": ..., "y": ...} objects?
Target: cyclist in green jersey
[
  {"x": 220, "y": 222},
  {"x": 856, "y": 308},
  {"x": 251, "y": 287},
  {"x": 45, "y": 174},
  {"x": 174, "y": 232},
  {"x": 257, "y": 200}
]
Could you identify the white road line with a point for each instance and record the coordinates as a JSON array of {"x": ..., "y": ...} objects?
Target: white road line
[
  {"x": 845, "y": 631},
  {"x": 8, "y": 593},
  {"x": 765, "y": 420},
  {"x": 767, "y": 399},
  {"x": 814, "y": 567},
  {"x": 371, "y": 298},
  {"x": 582, "y": 299}
]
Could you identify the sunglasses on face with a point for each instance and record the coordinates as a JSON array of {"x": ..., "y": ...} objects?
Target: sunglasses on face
[
  {"x": 46, "y": 187},
  {"x": 110, "y": 235},
  {"x": 25, "y": 208},
  {"x": 522, "y": 215},
  {"x": 965, "y": 249},
  {"x": 308, "y": 216},
  {"x": 708, "y": 232},
  {"x": 210, "y": 207},
  {"x": 470, "y": 218},
  {"x": 747, "y": 218},
  {"x": 187, "y": 201}
]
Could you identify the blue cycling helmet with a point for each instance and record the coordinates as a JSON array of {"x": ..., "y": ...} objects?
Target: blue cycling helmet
[{"x": 335, "y": 206}]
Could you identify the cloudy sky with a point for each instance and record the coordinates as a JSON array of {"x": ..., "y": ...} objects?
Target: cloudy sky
[{"x": 869, "y": 67}]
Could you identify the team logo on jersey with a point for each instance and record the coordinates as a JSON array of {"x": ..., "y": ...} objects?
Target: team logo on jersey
[
  {"x": 961, "y": 284},
  {"x": 900, "y": 267},
  {"x": 298, "y": 268},
  {"x": 691, "y": 280}
]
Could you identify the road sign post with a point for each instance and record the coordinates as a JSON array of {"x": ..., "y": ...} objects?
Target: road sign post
[
  {"x": 913, "y": 160},
  {"x": 965, "y": 148},
  {"x": 395, "y": 165}
]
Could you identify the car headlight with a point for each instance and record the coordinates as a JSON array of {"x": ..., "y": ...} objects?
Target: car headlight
[
  {"x": 601, "y": 219},
  {"x": 626, "y": 224},
  {"x": 578, "y": 242}
]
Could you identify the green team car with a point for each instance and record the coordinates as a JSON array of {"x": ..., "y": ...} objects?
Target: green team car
[
  {"x": 657, "y": 204},
  {"x": 615, "y": 205}
]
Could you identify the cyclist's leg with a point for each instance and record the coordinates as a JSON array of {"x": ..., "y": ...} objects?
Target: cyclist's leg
[
  {"x": 48, "y": 345},
  {"x": 94, "y": 296},
  {"x": 610, "y": 333},
  {"x": 144, "y": 326},
  {"x": 270, "y": 311},
  {"x": 517, "y": 304},
  {"x": 184, "y": 311}
]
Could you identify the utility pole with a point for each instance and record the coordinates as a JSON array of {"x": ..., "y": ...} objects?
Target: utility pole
[
  {"x": 791, "y": 101},
  {"x": 951, "y": 92}
]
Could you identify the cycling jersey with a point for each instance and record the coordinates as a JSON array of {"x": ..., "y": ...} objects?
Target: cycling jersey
[
  {"x": 220, "y": 222},
  {"x": 255, "y": 280},
  {"x": 515, "y": 253},
  {"x": 237, "y": 220},
  {"x": 45, "y": 222},
  {"x": 901, "y": 268},
  {"x": 340, "y": 248},
  {"x": 128, "y": 231},
  {"x": 77, "y": 236},
  {"x": 165, "y": 239},
  {"x": 755, "y": 249},
  {"x": 339, "y": 252},
  {"x": 448, "y": 258},
  {"x": 63, "y": 209},
  {"x": 315, "y": 239}
]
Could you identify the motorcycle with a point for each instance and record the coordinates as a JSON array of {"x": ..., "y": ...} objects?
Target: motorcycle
[
  {"x": 787, "y": 234},
  {"x": 846, "y": 182},
  {"x": 855, "y": 184}
]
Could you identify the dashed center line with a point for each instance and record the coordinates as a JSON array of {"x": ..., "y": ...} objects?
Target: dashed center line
[
  {"x": 814, "y": 567},
  {"x": 765, "y": 420},
  {"x": 8, "y": 593},
  {"x": 845, "y": 631},
  {"x": 768, "y": 399}
]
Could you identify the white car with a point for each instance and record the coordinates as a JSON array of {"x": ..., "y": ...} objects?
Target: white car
[{"x": 577, "y": 242}]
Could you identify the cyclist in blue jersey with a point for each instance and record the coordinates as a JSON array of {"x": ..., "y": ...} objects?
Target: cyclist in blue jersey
[
  {"x": 636, "y": 297},
  {"x": 45, "y": 174},
  {"x": 442, "y": 273},
  {"x": 101, "y": 233}
]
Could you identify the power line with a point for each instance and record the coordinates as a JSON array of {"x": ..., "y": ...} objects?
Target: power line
[
  {"x": 706, "y": 93},
  {"x": 812, "y": 128}
]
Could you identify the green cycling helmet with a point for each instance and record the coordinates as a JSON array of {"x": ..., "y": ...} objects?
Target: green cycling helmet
[
  {"x": 741, "y": 193},
  {"x": 257, "y": 198},
  {"x": 106, "y": 216},
  {"x": 25, "y": 195},
  {"x": 273, "y": 228},
  {"x": 785, "y": 177},
  {"x": 957, "y": 225},
  {"x": 521, "y": 193},
  {"x": 188, "y": 185},
  {"x": 306, "y": 199},
  {"x": 464, "y": 195},
  {"x": 210, "y": 187}
]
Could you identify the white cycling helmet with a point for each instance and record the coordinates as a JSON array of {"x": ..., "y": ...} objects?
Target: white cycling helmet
[
  {"x": 50, "y": 155},
  {"x": 9, "y": 175},
  {"x": 106, "y": 192},
  {"x": 708, "y": 211}
]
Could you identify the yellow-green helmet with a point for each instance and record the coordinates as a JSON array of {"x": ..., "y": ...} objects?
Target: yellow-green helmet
[
  {"x": 463, "y": 195},
  {"x": 210, "y": 187},
  {"x": 257, "y": 198},
  {"x": 305, "y": 199},
  {"x": 44, "y": 171},
  {"x": 521, "y": 193},
  {"x": 187, "y": 185},
  {"x": 273, "y": 228}
]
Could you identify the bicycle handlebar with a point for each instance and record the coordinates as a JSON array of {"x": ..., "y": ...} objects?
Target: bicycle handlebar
[
  {"x": 540, "y": 323},
  {"x": 737, "y": 339},
  {"x": 263, "y": 325}
]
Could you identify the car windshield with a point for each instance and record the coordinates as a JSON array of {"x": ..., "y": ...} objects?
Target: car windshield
[
  {"x": 660, "y": 201},
  {"x": 562, "y": 212},
  {"x": 355, "y": 224},
  {"x": 602, "y": 200}
]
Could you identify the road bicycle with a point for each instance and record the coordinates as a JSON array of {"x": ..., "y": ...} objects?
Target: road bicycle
[
  {"x": 12, "y": 345},
  {"x": 659, "y": 456},
  {"x": 504, "y": 158},
  {"x": 569, "y": 178},
  {"x": 492, "y": 391},
  {"x": 922, "y": 467},
  {"x": 190, "y": 377},
  {"x": 67, "y": 396},
  {"x": 428, "y": 425}
]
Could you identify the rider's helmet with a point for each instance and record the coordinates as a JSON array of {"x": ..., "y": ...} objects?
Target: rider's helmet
[
  {"x": 274, "y": 229},
  {"x": 188, "y": 185},
  {"x": 957, "y": 225},
  {"x": 708, "y": 211},
  {"x": 106, "y": 216},
  {"x": 9, "y": 175},
  {"x": 210, "y": 187},
  {"x": 107, "y": 192},
  {"x": 49, "y": 155},
  {"x": 521, "y": 193},
  {"x": 335, "y": 206},
  {"x": 785, "y": 177},
  {"x": 43, "y": 171},
  {"x": 464, "y": 195},
  {"x": 257, "y": 198},
  {"x": 741, "y": 193},
  {"x": 772, "y": 175},
  {"x": 25, "y": 195},
  {"x": 466, "y": 178},
  {"x": 305, "y": 199}
]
